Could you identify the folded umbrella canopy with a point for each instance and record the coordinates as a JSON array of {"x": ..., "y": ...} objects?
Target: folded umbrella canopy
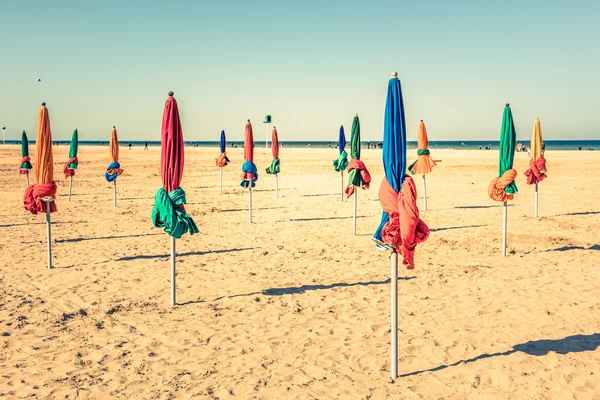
[
  {"x": 114, "y": 168},
  {"x": 503, "y": 188},
  {"x": 25, "y": 165},
  {"x": 222, "y": 160},
  {"x": 43, "y": 170},
  {"x": 40, "y": 196},
  {"x": 537, "y": 163},
  {"x": 249, "y": 172},
  {"x": 169, "y": 211},
  {"x": 424, "y": 163},
  {"x": 274, "y": 167},
  {"x": 341, "y": 163},
  {"x": 71, "y": 165},
  {"x": 400, "y": 228},
  {"x": 358, "y": 176}
]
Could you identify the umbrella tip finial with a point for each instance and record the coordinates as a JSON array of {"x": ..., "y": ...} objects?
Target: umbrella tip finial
[
  {"x": 394, "y": 74},
  {"x": 507, "y": 105},
  {"x": 114, "y": 127},
  {"x": 171, "y": 93},
  {"x": 421, "y": 120},
  {"x": 248, "y": 120},
  {"x": 43, "y": 103}
]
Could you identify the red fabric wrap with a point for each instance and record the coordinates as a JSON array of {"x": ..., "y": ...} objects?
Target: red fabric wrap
[
  {"x": 533, "y": 174},
  {"x": 405, "y": 229},
  {"x": 68, "y": 171},
  {"x": 366, "y": 177},
  {"x": 24, "y": 171},
  {"x": 247, "y": 176},
  {"x": 33, "y": 198}
]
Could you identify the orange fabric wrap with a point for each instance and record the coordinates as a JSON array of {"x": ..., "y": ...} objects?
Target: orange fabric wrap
[
  {"x": 497, "y": 185},
  {"x": 221, "y": 160},
  {"x": 405, "y": 229}
]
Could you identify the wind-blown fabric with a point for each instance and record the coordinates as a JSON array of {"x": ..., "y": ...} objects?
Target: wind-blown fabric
[
  {"x": 33, "y": 198},
  {"x": 114, "y": 170},
  {"x": 44, "y": 168},
  {"x": 341, "y": 162},
  {"x": 534, "y": 174},
  {"x": 222, "y": 159},
  {"x": 403, "y": 229},
  {"x": 424, "y": 163},
  {"x": 169, "y": 210},
  {"x": 508, "y": 139},
  {"x": 67, "y": 170},
  {"x": 400, "y": 225},
  {"x": 25, "y": 165},
  {"x": 274, "y": 168},
  {"x": 169, "y": 213},
  {"x": 249, "y": 172},
  {"x": 358, "y": 176}
]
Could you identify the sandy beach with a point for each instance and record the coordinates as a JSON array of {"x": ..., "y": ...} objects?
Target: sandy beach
[{"x": 294, "y": 306}]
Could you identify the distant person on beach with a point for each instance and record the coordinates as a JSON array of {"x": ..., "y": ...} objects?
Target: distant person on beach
[
  {"x": 329, "y": 144},
  {"x": 145, "y": 145},
  {"x": 479, "y": 147},
  {"x": 129, "y": 145}
]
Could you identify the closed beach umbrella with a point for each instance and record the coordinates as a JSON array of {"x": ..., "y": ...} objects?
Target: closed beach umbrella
[
  {"x": 25, "y": 160},
  {"x": 71, "y": 165},
  {"x": 424, "y": 163},
  {"x": 537, "y": 163},
  {"x": 503, "y": 188},
  {"x": 358, "y": 175},
  {"x": 400, "y": 229},
  {"x": 274, "y": 168},
  {"x": 222, "y": 159},
  {"x": 249, "y": 172},
  {"x": 114, "y": 168},
  {"x": 341, "y": 162},
  {"x": 169, "y": 211},
  {"x": 40, "y": 196}
]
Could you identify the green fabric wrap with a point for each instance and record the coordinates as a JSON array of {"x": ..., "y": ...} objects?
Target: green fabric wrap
[
  {"x": 167, "y": 213},
  {"x": 420, "y": 152},
  {"x": 274, "y": 168},
  {"x": 508, "y": 139},
  {"x": 341, "y": 163},
  {"x": 73, "y": 149}
]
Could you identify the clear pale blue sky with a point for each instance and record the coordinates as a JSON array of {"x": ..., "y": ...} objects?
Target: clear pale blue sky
[{"x": 311, "y": 64}]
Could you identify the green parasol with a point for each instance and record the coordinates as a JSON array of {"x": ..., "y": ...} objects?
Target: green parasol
[
  {"x": 508, "y": 139},
  {"x": 74, "y": 148},
  {"x": 355, "y": 178},
  {"x": 25, "y": 162}
]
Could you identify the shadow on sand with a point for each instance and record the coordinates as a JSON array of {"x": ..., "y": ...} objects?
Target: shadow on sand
[
  {"x": 304, "y": 288},
  {"x": 570, "y": 344},
  {"x": 193, "y": 253},
  {"x": 455, "y": 227},
  {"x": 567, "y": 248},
  {"x": 74, "y": 240}
]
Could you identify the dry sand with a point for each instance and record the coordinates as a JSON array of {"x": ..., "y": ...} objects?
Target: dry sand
[{"x": 294, "y": 306}]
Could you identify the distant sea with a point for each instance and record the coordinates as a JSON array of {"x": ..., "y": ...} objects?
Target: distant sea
[{"x": 452, "y": 145}]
